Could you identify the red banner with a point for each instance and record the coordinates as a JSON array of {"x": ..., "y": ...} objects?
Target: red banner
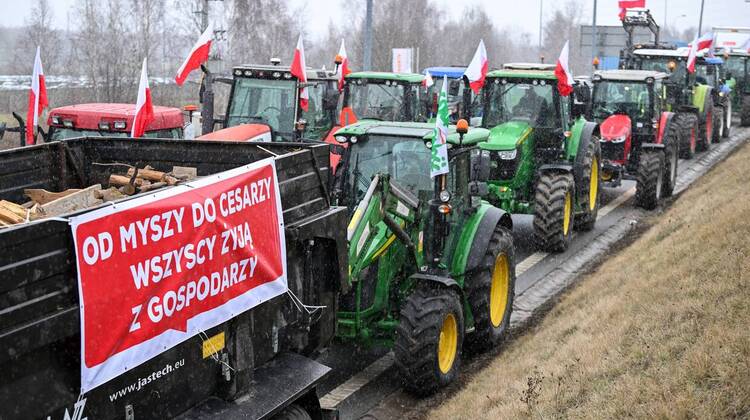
[{"x": 156, "y": 270}]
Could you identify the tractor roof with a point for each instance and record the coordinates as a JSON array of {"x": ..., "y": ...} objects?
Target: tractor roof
[
  {"x": 629, "y": 75},
  {"x": 451, "y": 72},
  {"x": 266, "y": 71},
  {"x": 678, "y": 53},
  {"x": 88, "y": 116},
  {"x": 419, "y": 131},
  {"x": 522, "y": 73},
  {"x": 399, "y": 77},
  {"x": 738, "y": 52},
  {"x": 528, "y": 66}
]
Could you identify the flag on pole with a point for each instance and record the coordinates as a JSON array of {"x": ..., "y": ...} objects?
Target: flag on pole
[
  {"x": 198, "y": 55},
  {"x": 698, "y": 44},
  {"x": 428, "y": 81},
  {"x": 343, "y": 69},
  {"x": 37, "y": 98},
  {"x": 629, "y": 4},
  {"x": 144, "y": 108},
  {"x": 439, "y": 149},
  {"x": 298, "y": 71},
  {"x": 477, "y": 69},
  {"x": 562, "y": 72}
]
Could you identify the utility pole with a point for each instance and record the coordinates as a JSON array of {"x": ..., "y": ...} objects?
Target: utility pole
[
  {"x": 367, "y": 62},
  {"x": 700, "y": 21},
  {"x": 593, "y": 37},
  {"x": 665, "y": 13},
  {"x": 541, "y": 8}
]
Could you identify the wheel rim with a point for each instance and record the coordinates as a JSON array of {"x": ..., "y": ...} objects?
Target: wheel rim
[
  {"x": 673, "y": 167},
  {"x": 709, "y": 127},
  {"x": 692, "y": 140},
  {"x": 499, "y": 290},
  {"x": 728, "y": 123},
  {"x": 659, "y": 181},
  {"x": 566, "y": 213},
  {"x": 594, "y": 187},
  {"x": 448, "y": 343}
]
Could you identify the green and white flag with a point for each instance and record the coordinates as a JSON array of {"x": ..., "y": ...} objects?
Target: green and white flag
[{"x": 439, "y": 158}]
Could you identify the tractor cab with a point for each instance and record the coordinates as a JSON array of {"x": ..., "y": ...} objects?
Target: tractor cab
[
  {"x": 736, "y": 71},
  {"x": 384, "y": 97},
  {"x": 264, "y": 106},
  {"x": 462, "y": 101}
]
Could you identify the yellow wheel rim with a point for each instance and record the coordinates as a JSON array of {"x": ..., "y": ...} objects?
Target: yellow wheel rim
[
  {"x": 606, "y": 176},
  {"x": 448, "y": 343},
  {"x": 566, "y": 213},
  {"x": 499, "y": 290},
  {"x": 594, "y": 187}
]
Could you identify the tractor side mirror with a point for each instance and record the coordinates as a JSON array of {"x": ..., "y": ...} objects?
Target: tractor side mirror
[{"x": 479, "y": 172}]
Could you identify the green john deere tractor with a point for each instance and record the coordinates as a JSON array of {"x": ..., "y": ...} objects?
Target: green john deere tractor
[
  {"x": 545, "y": 162},
  {"x": 384, "y": 96},
  {"x": 430, "y": 261}
]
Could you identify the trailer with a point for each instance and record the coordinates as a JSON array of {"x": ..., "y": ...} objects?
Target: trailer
[{"x": 256, "y": 364}]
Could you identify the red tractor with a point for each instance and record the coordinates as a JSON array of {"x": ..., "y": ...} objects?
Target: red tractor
[{"x": 639, "y": 138}]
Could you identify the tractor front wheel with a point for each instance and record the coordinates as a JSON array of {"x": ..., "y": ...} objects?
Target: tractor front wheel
[
  {"x": 745, "y": 112},
  {"x": 718, "y": 124},
  {"x": 688, "y": 126},
  {"x": 649, "y": 179},
  {"x": 588, "y": 181},
  {"x": 490, "y": 291},
  {"x": 669, "y": 177},
  {"x": 429, "y": 338},
  {"x": 553, "y": 211}
]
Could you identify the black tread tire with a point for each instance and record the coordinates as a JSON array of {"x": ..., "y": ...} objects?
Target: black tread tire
[
  {"x": 293, "y": 412},
  {"x": 650, "y": 169},
  {"x": 671, "y": 151},
  {"x": 727, "y": 119},
  {"x": 417, "y": 338},
  {"x": 549, "y": 208},
  {"x": 585, "y": 220},
  {"x": 745, "y": 111},
  {"x": 477, "y": 286},
  {"x": 718, "y": 124},
  {"x": 688, "y": 125},
  {"x": 704, "y": 138}
]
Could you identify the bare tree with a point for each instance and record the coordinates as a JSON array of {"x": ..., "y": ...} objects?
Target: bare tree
[{"x": 38, "y": 32}]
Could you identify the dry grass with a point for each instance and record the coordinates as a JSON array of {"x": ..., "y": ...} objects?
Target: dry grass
[{"x": 662, "y": 330}]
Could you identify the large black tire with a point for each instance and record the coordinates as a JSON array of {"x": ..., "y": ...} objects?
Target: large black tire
[
  {"x": 553, "y": 211},
  {"x": 293, "y": 412},
  {"x": 424, "y": 315},
  {"x": 688, "y": 125},
  {"x": 727, "y": 131},
  {"x": 649, "y": 178},
  {"x": 706, "y": 122},
  {"x": 588, "y": 163},
  {"x": 745, "y": 112},
  {"x": 671, "y": 152},
  {"x": 490, "y": 290},
  {"x": 718, "y": 124}
]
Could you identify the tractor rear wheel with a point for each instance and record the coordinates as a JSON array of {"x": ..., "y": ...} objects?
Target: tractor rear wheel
[
  {"x": 588, "y": 179},
  {"x": 727, "y": 131},
  {"x": 745, "y": 112},
  {"x": 688, "y": 125},
  {"x": 553, "y": 211},
  {"x": 429, "y": 338},
  {"x": 718, "y": 124},
  {"x": 705, "y": 133},
  {"x": 293, "y": 412},
  {"x": 669, "y": 178},
  {"x": 649, "y": 179},
  {"x": 490, "y": 290}
]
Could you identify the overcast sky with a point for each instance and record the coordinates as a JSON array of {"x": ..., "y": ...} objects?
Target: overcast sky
[{"x": 520, "y": 16}]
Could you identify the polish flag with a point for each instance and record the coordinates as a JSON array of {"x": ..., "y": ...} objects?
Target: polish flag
[
  {"x": 37, "y": 98},
  {"x": 698, "y": 44},
  {"x": 562, "y": 72},
  {"x": 298, "y": 70},
  {"x": 427, "y": 82},
  {"x": 343, "y": 69},
  {"x": 144, "y": 108},
  {"x": 198, "y": 55},
  {"x": 477, "y": 69},
  {"x": 629, "y": 4}
]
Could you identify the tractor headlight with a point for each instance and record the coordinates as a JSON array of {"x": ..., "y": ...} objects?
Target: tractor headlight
[
  {"x": 620, "y": 139},
  {"x": 445, "y": 196},
  {"x": 341, "y": 139},
  {"x": 119, "y": 125},
  {"x": 56, "y": 120},
  {"x": 507, "y": 154}
]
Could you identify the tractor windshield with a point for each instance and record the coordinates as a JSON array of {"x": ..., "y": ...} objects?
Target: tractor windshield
[
  {"x": 384, "y": 100},
  {"x": 662, "y": 64},
  {"x": 735, "y": 66},
  {"x": 706, "y": 74},
  {"x": 612, "y": 96},
  {"x": 406, "y": 159},
  {"x": 58, "y": 133},
  {"x": 532, "y": 101},
  {"x": 267, "y": 101}
]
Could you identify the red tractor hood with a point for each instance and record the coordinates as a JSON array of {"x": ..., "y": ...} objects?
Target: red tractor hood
[
  {"x": 242, "y": 132},
  {"x": 615, "y": 127}
]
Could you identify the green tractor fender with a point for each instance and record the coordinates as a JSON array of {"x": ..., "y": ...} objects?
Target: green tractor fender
[{"x": 475, "y": 237}]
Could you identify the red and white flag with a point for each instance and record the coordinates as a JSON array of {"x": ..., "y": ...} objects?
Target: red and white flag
[
  {"x": 144, "y": 108},
  {"x": 298, "y": 71},
  {"x": 562, "y": 72},
  {"x": 343, "y": 69},
  {"x": 428, "y": 81},
  {"x": 698, "y": 44},
  {"x": 477, "y": 69},
  {"x": 198, "y": 55},
  {"x": 37, "y": 98},
  {"x": 629, "y": 4}
]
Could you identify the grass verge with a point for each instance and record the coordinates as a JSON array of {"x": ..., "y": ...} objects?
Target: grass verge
[{"x": 660, "y": 330}]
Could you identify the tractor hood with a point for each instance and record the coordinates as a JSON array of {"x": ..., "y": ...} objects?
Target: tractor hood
[
  {"x": 615, "y": 127},
  {"x": 242, "y": 132},
  {"x": 507, "y": 136}
]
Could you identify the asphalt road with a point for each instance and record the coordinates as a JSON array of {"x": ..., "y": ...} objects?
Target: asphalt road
[{"x": 365, "y": 384}]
